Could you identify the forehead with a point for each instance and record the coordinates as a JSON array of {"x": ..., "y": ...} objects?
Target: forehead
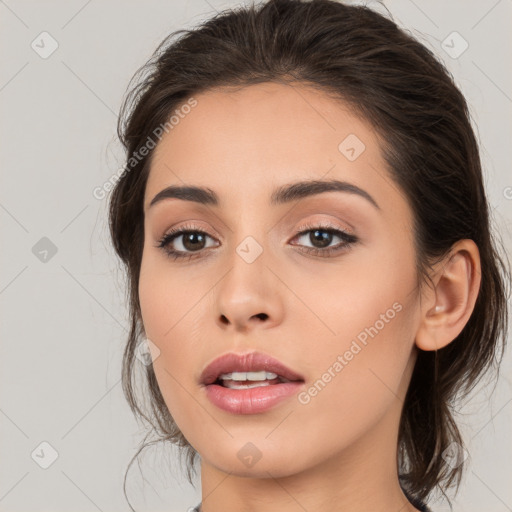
[{"x": 264, "y": 135}]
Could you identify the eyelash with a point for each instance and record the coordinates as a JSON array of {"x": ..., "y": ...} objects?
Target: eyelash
[{"x": 348, "y": 241}]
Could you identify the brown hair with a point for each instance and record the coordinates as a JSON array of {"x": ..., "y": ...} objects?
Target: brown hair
[{"x": 364, "y": 59}]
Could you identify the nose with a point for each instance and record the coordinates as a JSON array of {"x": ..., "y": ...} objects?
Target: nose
[
  {"x": 238, "y": 320},
  {"x": 248, "y": 297}
]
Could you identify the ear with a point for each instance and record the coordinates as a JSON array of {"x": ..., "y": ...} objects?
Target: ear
[{"x": 447, "y": 306}]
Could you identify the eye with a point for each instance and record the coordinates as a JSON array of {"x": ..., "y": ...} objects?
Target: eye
[
  {"x": 321, "y": 237},
  {"x": 186, "y": 240}
]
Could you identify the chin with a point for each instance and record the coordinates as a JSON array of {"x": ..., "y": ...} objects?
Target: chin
[{"x": 248, "y": 461}]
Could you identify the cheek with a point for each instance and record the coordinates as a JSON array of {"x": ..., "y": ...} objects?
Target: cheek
[
  {"x": 357, "y": 379},
  {"x": 168, "y": 314},
  {"x": 156, "y": 301},
  {"x": 172, "y": 307},
  {"x": 369, "y": 305},
  {"x": 350, "y": 297},
  {"x": 164, "y": 297}
]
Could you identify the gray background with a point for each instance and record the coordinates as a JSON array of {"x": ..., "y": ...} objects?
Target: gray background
[{"x": 64, "y": 317}]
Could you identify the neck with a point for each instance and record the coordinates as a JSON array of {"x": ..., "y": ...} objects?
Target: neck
[{"x": 358, "y": 478}]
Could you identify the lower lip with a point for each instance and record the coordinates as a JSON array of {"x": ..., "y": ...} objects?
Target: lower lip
[{"x": 253, "y": 400}]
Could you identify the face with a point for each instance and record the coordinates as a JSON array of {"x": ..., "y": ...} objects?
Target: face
[{"x": 324, "y": 282}]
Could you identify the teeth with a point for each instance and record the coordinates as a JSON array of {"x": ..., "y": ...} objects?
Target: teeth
[
  {"x": 254, "y": 376},
  {"x": 233, "y": 384}
]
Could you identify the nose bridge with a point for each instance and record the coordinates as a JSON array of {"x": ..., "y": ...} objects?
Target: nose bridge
[
  {"x": 247, "y": 293},
  {"x": 247, "y": 276},
  {"x": 250, "y": 238}
]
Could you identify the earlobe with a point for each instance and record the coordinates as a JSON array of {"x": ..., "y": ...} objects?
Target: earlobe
[{"x": 447, "y": 306}]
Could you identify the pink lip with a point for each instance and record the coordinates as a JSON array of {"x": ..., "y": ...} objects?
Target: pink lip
[
  {"x": 253, "y": 400},
  {"x": 248, "y": 362}
]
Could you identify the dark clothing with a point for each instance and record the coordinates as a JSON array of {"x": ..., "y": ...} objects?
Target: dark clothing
[{"x": 418, "y": 504}]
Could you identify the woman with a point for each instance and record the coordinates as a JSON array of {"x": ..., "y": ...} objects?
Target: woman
[{"x": 310, "y": 259}]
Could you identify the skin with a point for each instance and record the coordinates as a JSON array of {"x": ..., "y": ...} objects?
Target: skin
[{"x": 338, "y": 451}]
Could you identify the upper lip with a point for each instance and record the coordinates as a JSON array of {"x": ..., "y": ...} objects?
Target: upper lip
[{"x": 247, "y": 362}]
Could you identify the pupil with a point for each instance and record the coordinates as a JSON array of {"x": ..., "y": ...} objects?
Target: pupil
[{"x": 324, "y": 239}]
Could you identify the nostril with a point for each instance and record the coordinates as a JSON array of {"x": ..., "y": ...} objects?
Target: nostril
[{"x": 262, "y": 316}]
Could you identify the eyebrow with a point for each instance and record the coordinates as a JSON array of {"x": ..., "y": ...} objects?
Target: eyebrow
[{"x": 284, "y": 194}]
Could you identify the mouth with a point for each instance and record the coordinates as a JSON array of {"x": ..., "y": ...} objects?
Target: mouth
[
  {"x": 246, "y": 371},
  {"x": 251, "y": 383},
  {"x": 248, "y": 380}
]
